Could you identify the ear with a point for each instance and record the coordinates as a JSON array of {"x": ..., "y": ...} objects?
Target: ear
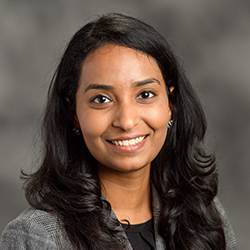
[
  {"x": 171, "y": 90},
  {"x": 76, "y": 122},
  {"x": 170, "y": 111}
]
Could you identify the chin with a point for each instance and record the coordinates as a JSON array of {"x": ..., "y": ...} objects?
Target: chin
[{"x": 126, "y": 168}]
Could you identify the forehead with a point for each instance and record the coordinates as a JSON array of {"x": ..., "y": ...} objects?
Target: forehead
[{"x": 116, "y": 65}]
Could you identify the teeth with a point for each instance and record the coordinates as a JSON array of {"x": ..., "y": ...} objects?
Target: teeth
[{"x": 128, "y": 142}]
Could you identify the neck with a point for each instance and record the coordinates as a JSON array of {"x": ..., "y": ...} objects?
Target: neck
[{"x": 128, "y": 193}]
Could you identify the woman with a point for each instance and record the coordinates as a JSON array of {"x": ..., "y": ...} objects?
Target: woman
[{"x": 123, "y": 164}]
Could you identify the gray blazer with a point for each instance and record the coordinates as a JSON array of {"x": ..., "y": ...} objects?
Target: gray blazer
[{"x": 36, "y": 229}]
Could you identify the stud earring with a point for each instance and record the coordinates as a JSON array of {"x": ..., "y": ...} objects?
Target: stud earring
[
  {"x": 170, "y": 123},
  {"x": 76, "y": 131}
]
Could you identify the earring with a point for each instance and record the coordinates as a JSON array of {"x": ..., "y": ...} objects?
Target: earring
[
  {"x": 76, "y": 131},
  {"x": 170, "y": 123}
]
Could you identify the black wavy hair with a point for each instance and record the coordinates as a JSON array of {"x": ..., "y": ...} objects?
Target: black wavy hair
[{"x": 184, "y": 175}]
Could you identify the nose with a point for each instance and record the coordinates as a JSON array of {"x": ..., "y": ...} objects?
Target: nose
[{"x": 126, "y": 116}]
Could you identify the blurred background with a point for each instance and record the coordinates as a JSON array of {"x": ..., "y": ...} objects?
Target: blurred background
[{"x": 212, "y": 42}]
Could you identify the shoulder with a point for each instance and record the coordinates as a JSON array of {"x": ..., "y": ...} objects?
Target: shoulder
[
  {"x": 32, "y": 229},
  {"x": 231, "y": 241}
]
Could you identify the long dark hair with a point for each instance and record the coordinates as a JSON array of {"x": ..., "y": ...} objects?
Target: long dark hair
[{"x": 184, "y": 175}]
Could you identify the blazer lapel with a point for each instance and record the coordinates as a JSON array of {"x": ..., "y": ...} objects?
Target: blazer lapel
[{"x": 156, "y": 206}]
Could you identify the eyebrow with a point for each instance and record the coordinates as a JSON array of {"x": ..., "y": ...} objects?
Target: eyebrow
[{"x": 134, "y": 84}]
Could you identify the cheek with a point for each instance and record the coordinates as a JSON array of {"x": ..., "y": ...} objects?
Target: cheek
[
  {"x": 158, "y": 117},
  {"x": 92, "y": 124}
]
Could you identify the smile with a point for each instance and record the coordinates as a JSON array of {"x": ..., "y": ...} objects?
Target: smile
[
  {"x": 130, "y": 146},
  {"x": 130, "y": 142}
]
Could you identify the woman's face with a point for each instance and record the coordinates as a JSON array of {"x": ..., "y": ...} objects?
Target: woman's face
[{"x": 122, "y": 107}]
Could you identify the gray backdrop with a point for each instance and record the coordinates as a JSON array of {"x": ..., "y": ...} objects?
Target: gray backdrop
[{"x": 211, "y": 39}]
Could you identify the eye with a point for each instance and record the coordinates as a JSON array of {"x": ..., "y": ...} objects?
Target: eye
[
  {"x": 147, "y": 94},
  {"x": 99, "y": 99}
]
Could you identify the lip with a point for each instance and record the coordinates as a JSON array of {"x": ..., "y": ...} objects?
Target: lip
[
  {"x": 128, "y": 137},
  {"x": 131, "y": 149}
]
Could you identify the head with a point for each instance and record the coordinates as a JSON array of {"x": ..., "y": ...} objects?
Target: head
[{"x": 119, "y": 51}]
